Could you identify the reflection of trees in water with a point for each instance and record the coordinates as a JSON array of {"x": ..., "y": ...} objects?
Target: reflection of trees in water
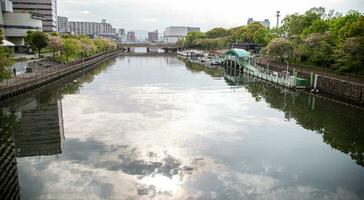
[
  {"x": 86, "y": 77},
  {"x": 340, "y": 125},
  {"x": 214, "y": 72}
]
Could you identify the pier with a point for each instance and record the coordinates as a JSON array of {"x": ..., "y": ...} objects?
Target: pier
[{"x": 242, "y": 61}]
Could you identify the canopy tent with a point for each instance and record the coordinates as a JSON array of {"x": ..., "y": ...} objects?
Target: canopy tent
[{"x": 7, "y": 44}]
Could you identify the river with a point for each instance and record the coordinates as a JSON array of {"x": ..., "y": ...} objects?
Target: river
[{"x": 153, "y": 127}]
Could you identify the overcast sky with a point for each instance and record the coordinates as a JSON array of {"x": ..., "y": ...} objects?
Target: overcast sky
[{"x": 157, "y": 14}]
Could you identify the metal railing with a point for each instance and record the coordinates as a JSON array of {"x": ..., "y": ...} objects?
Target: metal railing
[{"x": 27, "y": 80}]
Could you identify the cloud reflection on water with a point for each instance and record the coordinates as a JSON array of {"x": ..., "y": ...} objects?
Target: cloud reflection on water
[{"x": 171, "y": 138}]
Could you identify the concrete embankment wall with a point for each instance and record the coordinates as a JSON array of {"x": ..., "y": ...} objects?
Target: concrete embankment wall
[
  {"x": 59, "y": 72},
  {"x": 337, "y": 86}
]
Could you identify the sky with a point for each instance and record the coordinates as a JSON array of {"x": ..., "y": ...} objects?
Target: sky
[{"x": 150, "y": 15}]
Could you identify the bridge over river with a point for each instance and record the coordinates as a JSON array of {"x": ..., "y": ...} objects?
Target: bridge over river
[{"x": 150, "y": 45}]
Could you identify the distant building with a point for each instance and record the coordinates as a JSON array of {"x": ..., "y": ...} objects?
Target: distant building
[
  {"x": 131, "y": 37},
  {"x": 46, "y": 9},
  {"x": 153, "y": 36},
  {"x": 265, "y": 23},
  {"x": 90, "y": 28},
  {"x": 16, "y": 25},
  {"x": 121, "y": 31},
  {"x": 173, "y": 33},
  {"x": 62, "y": 24}
]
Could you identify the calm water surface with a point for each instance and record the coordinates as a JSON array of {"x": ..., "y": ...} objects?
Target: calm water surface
[{"x": 152, "y": 127}]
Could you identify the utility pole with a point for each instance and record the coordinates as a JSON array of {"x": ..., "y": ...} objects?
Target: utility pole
[{"x": 278, "y": 15}]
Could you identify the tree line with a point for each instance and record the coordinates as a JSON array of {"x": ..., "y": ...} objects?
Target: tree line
[
  {"x": 6, "y": 59},
  {"x": 317, "y": 37},
  {"x": 64, "y": 48},
  {"x": 68, "y": 47}
]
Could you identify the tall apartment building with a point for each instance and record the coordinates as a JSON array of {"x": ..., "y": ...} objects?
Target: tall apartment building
[
  {"x": 131, "y": 37},
  {"x": 173, "y": 33},
  {"x": 47, "y": 9},
  {"x": 90, "y": 28},
  {"x": 153, "y": 36},
  {"x": 265, "y": 23},
  {"x": 62, "y": 24}
]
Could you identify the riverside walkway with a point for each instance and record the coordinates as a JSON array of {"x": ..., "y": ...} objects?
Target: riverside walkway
[{"x": 28, "y": 81}]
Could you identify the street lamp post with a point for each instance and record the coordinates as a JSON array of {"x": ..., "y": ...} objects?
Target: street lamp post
[{"x": 287, "y": 74}]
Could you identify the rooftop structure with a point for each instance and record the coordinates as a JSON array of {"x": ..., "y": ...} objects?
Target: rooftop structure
[
  {"x": 46, "y": 9},
  {"x": 62, "y": 24},
  {"x": 153, "y": 36},
  {"x": 90, "y": 28},
  {"x": 131, "y": 36},
  {"x": 16, "y": 25},
  {"x": 173, "y": 33},
  {"x": 265, "y": 23}
]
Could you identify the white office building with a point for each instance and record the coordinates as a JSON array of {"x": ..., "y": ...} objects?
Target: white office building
[
  {"x": 16, "y": 25},
  {"x": 173, "y": 33},
  {"x": 45, "y": 9}
]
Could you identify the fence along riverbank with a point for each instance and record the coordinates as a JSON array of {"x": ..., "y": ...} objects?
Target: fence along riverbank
[{"x": 27, "y": 82}]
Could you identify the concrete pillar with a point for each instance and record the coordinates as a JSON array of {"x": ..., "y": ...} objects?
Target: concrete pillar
[
  {"x": 315, "y": 82},
  {"x": 311, "y": 80}
]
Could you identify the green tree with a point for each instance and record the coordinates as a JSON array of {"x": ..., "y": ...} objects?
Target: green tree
[
  {"x": 6, "y": 61},
  {"x": 193, "y": 36},
  {"x": 263, "y": 36},
  {"x": 55, "y": 43},
  {"x": 87, "y": 46},
  {"x": 100, "y": 45},
  {"x": 279, "y": 48},
  {"x": 317, "y": 26},
  {"x": 295, "y": 24},
  {"x": 71, "y": 47},
  {"x": 217, "y": 33},
  {"x": 352, "y": 29},
  {"x": 251, "y": 30},
  {"x": 320, "y": 47},
  {"x": 1, "y": 36},
  {"x": 237, "y": 34},
  {"x": 349, "y": 56},
  {"x": 38, "y": 40}
]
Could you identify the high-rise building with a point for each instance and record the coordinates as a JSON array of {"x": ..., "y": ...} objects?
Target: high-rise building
[
  {"x": 121, "y": 31},
  {"x": 265, "y": 23},
  {"x": 46, "y": 9},
  {"x": 173, "y": 33},
  {"x": 62, "y": 24},
  {"x": 131, "y": 37},
  {"x": 153, "y": 36},
  {"x": 90, "y": 28},
  {"x": 16, "y": 25}
]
